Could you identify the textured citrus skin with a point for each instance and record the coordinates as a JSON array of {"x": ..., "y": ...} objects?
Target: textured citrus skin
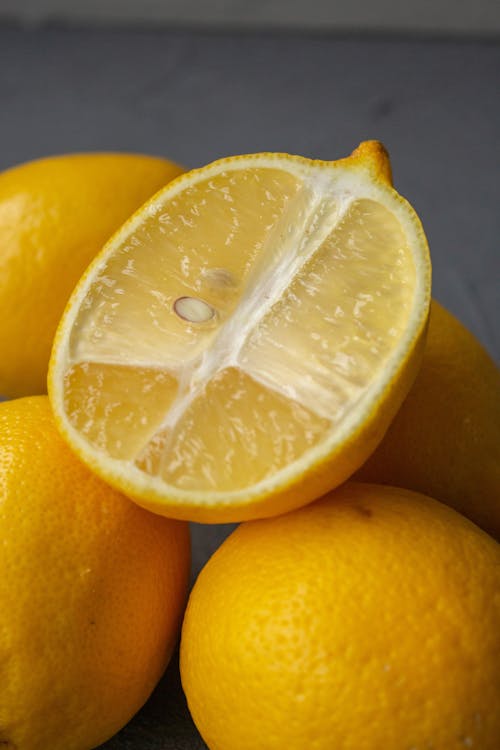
[
  {"x": 367, "y": 620},
  {"x": 445, "y": 440},
  {"x": 92, "y": 592},
  {"x": 55, "y": 215}
]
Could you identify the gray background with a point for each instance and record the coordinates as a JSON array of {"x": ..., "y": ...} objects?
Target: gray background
[
  {"x": 455, "y": 16},
  {"x": 194, "y": 95}
]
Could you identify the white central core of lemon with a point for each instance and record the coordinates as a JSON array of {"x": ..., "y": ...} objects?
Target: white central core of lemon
[{"x": 308, "y": 220}]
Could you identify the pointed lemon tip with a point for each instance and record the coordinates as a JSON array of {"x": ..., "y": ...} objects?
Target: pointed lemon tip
[{"x": 374, "y": 156}]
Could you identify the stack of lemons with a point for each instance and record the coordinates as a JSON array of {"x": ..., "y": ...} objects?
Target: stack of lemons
[{"x": 258, "y": 335}]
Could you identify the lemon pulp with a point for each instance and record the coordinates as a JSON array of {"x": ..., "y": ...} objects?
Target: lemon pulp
[{"x": 239, "y": 323}]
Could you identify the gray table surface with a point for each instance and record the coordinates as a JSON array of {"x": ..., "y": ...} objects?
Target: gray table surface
[{"x": 196, "y": 96}]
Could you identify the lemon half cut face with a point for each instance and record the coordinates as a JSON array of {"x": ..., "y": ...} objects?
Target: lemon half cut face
[{"x": 242, "y": 343}]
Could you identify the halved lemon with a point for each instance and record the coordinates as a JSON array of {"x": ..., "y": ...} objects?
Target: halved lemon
[{"x": 241, "y": 344}]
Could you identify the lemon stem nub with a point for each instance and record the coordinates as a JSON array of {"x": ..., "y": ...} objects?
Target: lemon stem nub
[{"x": 193, "y": 310}]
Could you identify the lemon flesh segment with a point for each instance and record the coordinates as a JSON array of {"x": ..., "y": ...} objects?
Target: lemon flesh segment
[{"x": 237, "y": 323}]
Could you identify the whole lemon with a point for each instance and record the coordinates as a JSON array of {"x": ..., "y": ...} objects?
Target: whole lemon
[
  {"x": 55, "y": 215},
  {"x": 368, "y": 620},
  {"x": 92, "y": 591},
  {"x": 445, "y": 439}
]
